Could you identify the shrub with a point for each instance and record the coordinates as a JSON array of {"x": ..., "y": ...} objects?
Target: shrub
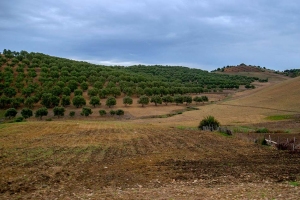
[
  {"x": 72, "y": 113},
  {"x": 112, "y": 112},
  {"x": 26, "y": 113},
  {"x": 41, "y": 112},
  {"x": 86, "y": 111},
  {"x": 11, "y": 112},
  {"x": 19, "y": 119},
  {"x": 120, "y": 112},
  {"x": 209, "y": 121},
  {"x": 102, "y": 112}
]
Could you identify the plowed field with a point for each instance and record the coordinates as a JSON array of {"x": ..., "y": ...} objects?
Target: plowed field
[{"x": 125, "y": 160}]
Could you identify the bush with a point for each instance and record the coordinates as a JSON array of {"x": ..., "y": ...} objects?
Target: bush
[
  {"x": 120, "y": 112},
  {"x": 26, "y": 113},
  {"x": 72, "y": 113},
  {"x": 19, "y": 119},
  {"x": 112, "y": 112},
  {"x": 11, "y": 112},
  {"x": 102, "y": 112},
  {"x": 209, "y": 121},
  {"x": 86, "y": 111}
]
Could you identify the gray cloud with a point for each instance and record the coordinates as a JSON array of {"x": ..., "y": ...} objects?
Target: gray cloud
[{"x": 204, "y": 34}]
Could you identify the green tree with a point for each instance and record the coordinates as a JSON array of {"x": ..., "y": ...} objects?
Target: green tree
[
  {"x": 178, "y": 99},
  {"x": 167, "y": 99},
  {"x": 148, "y": 91},
  {"x": 65, "y": 100},
  {"x": 187, "y": 99},
  {"x": 26, "y": 113},
  {"x": 144, "y": 100},
  {"x": 102, "y": 112},
  {"x": 156, "y": 99},
  {"x": 56, "y": 90},
  {"x": 120, "y": 112},
  {"x": 204, "y": 99},
  {"x": 197, "y": 99},
  {"x": 72, "y": 84},
  {"x": 103, "y": 93},
  {"x": 29, "y": 101},
  {"x": 41, "y": 112},
  {"x": 79, "y": 101},
  {"x": 60, "y": 84},
  {"x": 112, "y": 112},
  {"x": 95, "y": 101},
  {"x": 115, "y": 91},
  {"x": 98, "y": 85},
  {"x": 92, "y": 92},
  {"x": 78, "y": 92},
  {"x": 16, "y": 102},
  {"x": 86, "y": 111},
  {"x": 127, "y": 100},
  {"x": 84, "y": 86},
  {"x": 66, "y": 91},
  {"x": 49, "y": 100},
  {"x": 111, "y": 101},
  {"x": 4, "y": 101},
  {"x": 10, "y": 92},
  {"x": 11, "y": 112},
  {"x": 128, "y": 91},
  {"x": 72, "y": 113},
  {"x": 59, "y": 111},
  {"x": 210, "y": 122}
]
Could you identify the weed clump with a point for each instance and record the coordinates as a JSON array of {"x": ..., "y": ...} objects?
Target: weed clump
[{"x": 210, "y": 122}]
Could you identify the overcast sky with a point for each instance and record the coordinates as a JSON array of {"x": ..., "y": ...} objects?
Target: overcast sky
[{"x": 204, "y": 34}]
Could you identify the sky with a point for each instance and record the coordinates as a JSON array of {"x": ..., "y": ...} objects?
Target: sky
[{"x": 204, "y": 34}]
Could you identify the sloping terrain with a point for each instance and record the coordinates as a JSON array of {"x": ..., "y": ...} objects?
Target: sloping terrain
[{"x": 283, "y": 96}]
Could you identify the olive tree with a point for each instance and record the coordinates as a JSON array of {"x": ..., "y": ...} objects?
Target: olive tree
[
  {"x": 11, "y": 112},
  {"x": 41, "y": 112},
  {"x": 144, "y": 100},
  {"x": 127, "y": 100},
  {"x": 59, "y": 111},
  {"x": 111, "y": 101},
  {"x": 26, "y": 113}
]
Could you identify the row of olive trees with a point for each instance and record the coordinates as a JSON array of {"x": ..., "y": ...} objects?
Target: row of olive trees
[
  {"x": 49, "y": 100},
  {"x": 57, "y": 111}
]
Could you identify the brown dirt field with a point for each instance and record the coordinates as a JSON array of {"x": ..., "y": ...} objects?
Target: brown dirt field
[{"x": 125, "y": 160}]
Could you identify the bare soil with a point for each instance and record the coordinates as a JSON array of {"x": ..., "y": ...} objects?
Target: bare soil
[{"x": 124, "y": 160}]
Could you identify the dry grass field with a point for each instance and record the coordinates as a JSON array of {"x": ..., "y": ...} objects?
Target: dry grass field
[{"x": 134, "y": 157}]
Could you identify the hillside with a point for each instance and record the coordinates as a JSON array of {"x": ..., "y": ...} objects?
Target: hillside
[
  {"x": 26, "y": 77},
  {"x": 262, "y": 74},
  {"x": 280, "y": 96}
]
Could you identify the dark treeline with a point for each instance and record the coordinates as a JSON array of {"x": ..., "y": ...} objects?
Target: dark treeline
[
  {"x": 292, "y": 72},
  {"x": 31, "y": 78}
]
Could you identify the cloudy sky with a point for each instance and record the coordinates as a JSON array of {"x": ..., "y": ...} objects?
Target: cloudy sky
[{"x": 204, "y": 34}]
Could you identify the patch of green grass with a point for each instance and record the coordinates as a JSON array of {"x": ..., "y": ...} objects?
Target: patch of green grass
[
  {"x": 243, "y": 129},
  {"x": 262, "y": 130},
  {"x": 278, "y": 117},
  {"x": 186, "y": 128},
  {"x": 294, "y": 183},
  {"x": 223, "y": 134}
]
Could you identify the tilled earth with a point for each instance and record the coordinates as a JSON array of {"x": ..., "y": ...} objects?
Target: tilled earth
[{"x": 141, "y": 162}]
